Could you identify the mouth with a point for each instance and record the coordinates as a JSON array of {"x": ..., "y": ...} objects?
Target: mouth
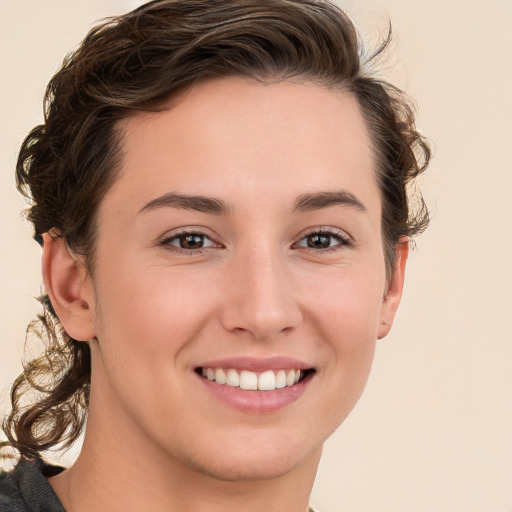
[
  {"x": 248, "y": 380},
  {"x": 256, "y": 385}
]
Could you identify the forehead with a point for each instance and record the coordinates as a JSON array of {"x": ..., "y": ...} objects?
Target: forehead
[{"x": 231, "y": 136}]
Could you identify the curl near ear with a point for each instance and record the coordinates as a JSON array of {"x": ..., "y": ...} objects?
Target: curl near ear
[
  {"x": 69, "y": 287},
  {"x": 394, "y": 288}
]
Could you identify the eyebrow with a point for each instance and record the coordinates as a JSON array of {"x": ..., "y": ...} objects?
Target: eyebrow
[
  {"x": 318, "y": 200},
  {"x": 186, "y": 202},
  {"x": 305, "y": 202}
]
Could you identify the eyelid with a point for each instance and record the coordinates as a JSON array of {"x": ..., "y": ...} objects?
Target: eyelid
[
  {"x": 345, "y": 240},
  {"x": 164, "y": 241}
]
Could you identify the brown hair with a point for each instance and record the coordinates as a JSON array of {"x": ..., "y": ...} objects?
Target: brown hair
[{"x": 134, "y": 62}]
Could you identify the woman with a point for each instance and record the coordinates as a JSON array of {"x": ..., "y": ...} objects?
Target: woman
[{"x": 220, "y": 195}]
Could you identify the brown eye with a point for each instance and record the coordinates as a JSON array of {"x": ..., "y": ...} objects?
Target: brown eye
[
  {"x": 191, "y": 241},
  {"x": 324, "y": 240},
  {"x": 188, "y": 241},
  {"x": 319, "y": 241}
]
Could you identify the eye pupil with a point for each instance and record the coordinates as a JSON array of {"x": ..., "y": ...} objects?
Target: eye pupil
[
  {"x": 191, "y": 241},
  {"x": 319, "y": 241}
]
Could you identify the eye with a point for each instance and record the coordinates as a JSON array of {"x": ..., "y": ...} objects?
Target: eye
[
  {"x": 324, "y": 240},
  {"x": 188, "y": 241}
]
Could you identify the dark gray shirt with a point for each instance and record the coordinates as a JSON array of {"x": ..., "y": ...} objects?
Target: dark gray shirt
[{"x": 26, "y": 488}]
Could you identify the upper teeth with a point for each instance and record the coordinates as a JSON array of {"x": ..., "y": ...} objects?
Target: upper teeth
[{"x": 266, "y": 381}]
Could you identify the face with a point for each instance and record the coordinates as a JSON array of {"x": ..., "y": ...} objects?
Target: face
[{"x": 240, "y": 248}]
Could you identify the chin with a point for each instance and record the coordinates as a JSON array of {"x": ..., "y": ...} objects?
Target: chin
[
  {"x": 254, "y": 467},
  {"x": 254, "y": 461}
]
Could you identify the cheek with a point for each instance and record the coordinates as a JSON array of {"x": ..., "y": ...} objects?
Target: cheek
[
  {"x": 348, "y": 318},
  {"x": 155, "y": 313},
  {"x": 349, "y": 309},
  {"x": 144, "y": 326}
]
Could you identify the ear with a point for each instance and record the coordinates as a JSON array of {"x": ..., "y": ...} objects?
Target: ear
[
  {"x": 69, "y": 287},
  {"x": 394, "y": 289}
]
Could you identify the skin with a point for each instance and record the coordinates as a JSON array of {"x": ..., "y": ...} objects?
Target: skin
[{"x": 154, "y": 311}]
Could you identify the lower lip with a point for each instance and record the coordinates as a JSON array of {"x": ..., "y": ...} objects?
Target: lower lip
[{"x": 256, "y": 402}]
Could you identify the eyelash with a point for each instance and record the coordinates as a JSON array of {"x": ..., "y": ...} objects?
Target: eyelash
[
  {"x": 342, "y": 239},
  {"x": 166, "y": 242}
]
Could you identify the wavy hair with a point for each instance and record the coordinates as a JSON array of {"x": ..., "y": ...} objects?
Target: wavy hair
[{"x": 137, "y": 61}]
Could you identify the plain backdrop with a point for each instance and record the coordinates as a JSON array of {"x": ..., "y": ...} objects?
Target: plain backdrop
[{"x": 432, "y": 432}]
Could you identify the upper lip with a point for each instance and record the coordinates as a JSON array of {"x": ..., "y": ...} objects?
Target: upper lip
[{"x": 257, "y": 364}]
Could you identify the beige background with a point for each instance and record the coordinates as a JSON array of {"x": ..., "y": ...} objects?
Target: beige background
[{"x": 433, "y": 432}]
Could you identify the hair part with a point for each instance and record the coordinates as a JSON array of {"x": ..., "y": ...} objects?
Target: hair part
[{"x": 136, "y": 62}]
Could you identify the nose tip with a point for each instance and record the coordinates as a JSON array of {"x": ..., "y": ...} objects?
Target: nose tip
[{"x": 261, "y": 301}]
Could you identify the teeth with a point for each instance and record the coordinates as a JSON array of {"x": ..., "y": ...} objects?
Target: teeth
[
  {"x": 248, "y": 380},
  {"x": 280, "y": 379},
  {"x": 233, "y": 379},
  {"x": 266, "y": 381},
  {"x": 220, "y": 376}
]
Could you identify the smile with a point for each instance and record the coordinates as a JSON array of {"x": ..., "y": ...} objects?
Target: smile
[{"x": 268, "y": 380}]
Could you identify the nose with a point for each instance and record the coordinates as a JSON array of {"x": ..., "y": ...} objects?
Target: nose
[{"x": 260, "y": 301}]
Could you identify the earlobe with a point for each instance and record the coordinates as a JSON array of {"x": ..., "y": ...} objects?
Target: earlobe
[
  {"x": 394, "y": 290},
  {"x": 68, "y": 286}
]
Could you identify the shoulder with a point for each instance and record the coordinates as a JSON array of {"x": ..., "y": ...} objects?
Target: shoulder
[{"x": 26, "y": 488}]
